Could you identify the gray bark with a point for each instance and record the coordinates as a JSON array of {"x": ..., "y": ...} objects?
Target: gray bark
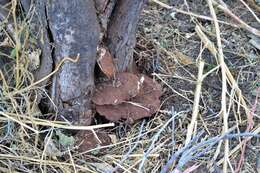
[
  {"x": 75, "y": 30},
  {"x": 39, "y": 30},
  {"x": 121, "y": 32}
]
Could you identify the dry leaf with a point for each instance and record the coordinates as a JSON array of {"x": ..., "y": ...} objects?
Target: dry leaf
[
  {"x": 105, "y": 62},
  {"x": 183, "y": 59},
  {"x": 87, "y": 140}
]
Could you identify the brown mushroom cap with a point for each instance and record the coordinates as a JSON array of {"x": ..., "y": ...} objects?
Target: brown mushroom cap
[
  {"x": 150, "y": 86},
  {"x": 124, "y": 87},
  {"x": 143, "y": 105},
  {"x": 130, "y": 111}
]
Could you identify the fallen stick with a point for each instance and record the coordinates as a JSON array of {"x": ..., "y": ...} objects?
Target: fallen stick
[{"x": 224, "y": 85}]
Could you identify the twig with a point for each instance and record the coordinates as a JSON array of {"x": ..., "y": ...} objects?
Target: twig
[
  {"x": 256, "y": 131},
  {"x": 254, "y": 4},
  {"x": 232, "y": 82},
  {"x": 176, "y": 92},
  {"x": 208, "y": 44},
  {"x": 243, "y": 25},
  {"x": 224, "y": 83},
  {"x": 222, "y": 7},
  {"x": 192, "y": 168},
  {"x": 72, "y": 161},
  {"x": 47, "y": 123},
  {"x": 193, "y": 151},
  {"x": 19, "y": 122},
  {"x": 131, "y": 149},
  {"x": 49, "y": 75},
  {"x": 213, "y": 160},
  {"x": 251, "y": 11},
  {"x": 36, "y": 161},
  {"x": 155, "y": 138},
  {"x": 250, "y": 125},
  {"x": 191, "y": 14},
  {"x": 17, "y": 44},
  {"x": 195, "y": 103}
]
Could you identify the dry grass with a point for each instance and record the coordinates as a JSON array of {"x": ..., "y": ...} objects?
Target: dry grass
[{"x": 191, "y": 52}]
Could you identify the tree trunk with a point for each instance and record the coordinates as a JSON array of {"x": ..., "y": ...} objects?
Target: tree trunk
[
  {"x": 39, "y": 30},
  {"x": 74, "y": 28},
  {"x": 121, "y": 32}
]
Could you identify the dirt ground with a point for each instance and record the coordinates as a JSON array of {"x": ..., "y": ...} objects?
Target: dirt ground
[{"x": 171, "y": 50}]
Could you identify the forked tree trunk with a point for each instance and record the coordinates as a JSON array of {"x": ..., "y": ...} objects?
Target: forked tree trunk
[{"x": 73, "y": 27}]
